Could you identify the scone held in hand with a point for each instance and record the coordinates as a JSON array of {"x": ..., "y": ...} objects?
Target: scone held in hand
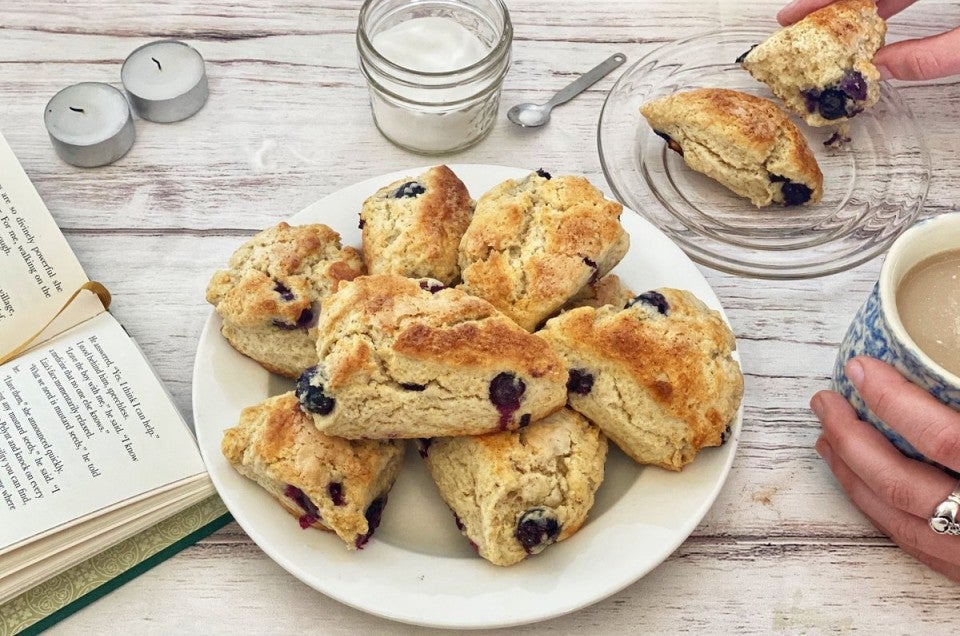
[
  {"x": 515, "y": 493},
  {"x": 658, "y": 376},
  {"x": 273, "y": 289},
  {"x": 410, "y": 359},
  {"x": 534, "y": 243},
  {"x": 325, "y": 482},
  {"x": 822, "y": 66},
  {"x": 744, "y": 142}
]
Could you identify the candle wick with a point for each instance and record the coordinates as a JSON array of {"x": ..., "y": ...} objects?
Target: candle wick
[
  {"x": 76, "y": 110},
  {"x": 157, "y": 63}
]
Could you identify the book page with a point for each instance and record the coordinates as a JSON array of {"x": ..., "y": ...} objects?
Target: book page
[
  {"x": 84, "y": 424},
  {"x": 38, "y": 270}
]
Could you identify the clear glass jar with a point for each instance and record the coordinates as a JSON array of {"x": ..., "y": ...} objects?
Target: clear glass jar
[{"x": 428, "y": 107}]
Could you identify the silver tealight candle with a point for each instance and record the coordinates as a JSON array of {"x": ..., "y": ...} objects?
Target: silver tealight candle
[
  {"x": 89, "y": 124},
  {"x": 166, "y": 81}
]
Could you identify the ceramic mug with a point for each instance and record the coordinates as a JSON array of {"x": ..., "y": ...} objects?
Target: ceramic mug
[{"x": 877, "y": 331}]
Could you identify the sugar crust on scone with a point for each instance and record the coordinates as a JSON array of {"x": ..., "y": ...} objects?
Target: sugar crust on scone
[
  {"x": 413, "y": 226},
  {"x": 744, "y": 142},
  {"x": 535, "y": 242},
  {"x": 274, "y": 287},
  {"x": 346, "y": 481},
  {"x": 405, "y": 358},
  {"x": 658, "y": 377},
  {"x": 515, "y": 493}
]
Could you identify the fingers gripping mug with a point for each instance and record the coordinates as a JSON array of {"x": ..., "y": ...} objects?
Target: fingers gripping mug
[{"x": 878, "y": 330}]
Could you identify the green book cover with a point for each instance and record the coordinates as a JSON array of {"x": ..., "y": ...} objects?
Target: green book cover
[{"x": 44, "y": 605}]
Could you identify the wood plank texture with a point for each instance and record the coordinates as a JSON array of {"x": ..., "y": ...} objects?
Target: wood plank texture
[{"x": 287, "y": 122}]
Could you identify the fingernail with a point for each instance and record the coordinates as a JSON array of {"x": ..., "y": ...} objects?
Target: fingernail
[
  {"x": 816, "y": 405},
  {"x": 885, "y": 73},
  {"x": 855, "y": 372}
]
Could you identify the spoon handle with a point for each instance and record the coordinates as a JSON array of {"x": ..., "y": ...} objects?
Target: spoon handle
[{"x": 587, "y": 80}]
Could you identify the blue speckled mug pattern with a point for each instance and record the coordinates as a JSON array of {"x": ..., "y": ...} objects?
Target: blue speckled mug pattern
[{"x": 871, "y": 334}]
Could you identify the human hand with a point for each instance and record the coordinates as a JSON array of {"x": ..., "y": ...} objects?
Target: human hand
[
  {"x": 920, "y": 59},
  {"x": 896, "y": 493}
]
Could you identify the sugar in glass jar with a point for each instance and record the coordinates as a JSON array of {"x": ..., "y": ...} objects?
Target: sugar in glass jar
[{"x": 434, "y": 69}]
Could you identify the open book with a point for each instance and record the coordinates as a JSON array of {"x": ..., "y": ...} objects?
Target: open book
[{"x": 92, "y": 448}]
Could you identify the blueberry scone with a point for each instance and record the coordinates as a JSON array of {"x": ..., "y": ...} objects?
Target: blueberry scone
[
  {"x": 744, "y": 142},
  {"x": 271, "y": 293},
  {"x": 534, "y": 243},
  {"x": 409, "y": 359},
  {"x": 658, "y": 376},
  {"x": 609, "y": 290},
  {"x": 413, "y": 227},
  {"x": 325, "y": 482},
  {"x": 822, "y": 66},
  {"x": 515, "y": 493}
]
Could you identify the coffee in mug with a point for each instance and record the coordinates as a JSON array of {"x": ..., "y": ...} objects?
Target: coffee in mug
[{"x": 928, "y": 302}]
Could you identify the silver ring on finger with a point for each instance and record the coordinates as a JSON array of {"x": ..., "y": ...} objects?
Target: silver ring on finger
[{"x": 944, "y": 518}]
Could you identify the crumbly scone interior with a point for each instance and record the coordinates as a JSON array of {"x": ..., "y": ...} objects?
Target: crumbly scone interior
[{"x": 817, "y": 52}]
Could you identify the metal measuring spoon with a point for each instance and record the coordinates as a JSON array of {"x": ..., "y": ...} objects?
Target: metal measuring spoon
[{"x": 533, "y": 115}]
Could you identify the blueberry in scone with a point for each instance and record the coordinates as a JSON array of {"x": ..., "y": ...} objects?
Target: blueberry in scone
[
  {"x": 657, "y": 376},
  {"x": 744, "y": 142},
  {"x": 513, "y": 494},
  {"x": 413, "y": 227},
  {"x": 822, "y": 66},
  {"x": 325, "y": 482},
  {"x": 273, "y": 290},
  {"x": 535, "y": 242},
  {"x": 406, "y": 358}
]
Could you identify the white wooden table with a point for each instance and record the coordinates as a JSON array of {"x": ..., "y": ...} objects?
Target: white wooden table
[{"x": 287, "y": 122}]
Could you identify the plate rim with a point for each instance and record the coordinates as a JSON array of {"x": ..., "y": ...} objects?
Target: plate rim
[
  {"x": 259, "y": 531},
  {"x": 744, "y": 268}
]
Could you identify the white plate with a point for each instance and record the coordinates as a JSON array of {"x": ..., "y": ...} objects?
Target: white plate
[{"x": 418, "y": 568}]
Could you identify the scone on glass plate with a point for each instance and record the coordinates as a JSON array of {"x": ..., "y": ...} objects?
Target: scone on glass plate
[
  {"x": 744, "y": 142},
  {"x": 515, "y": 493},
  {"x": 402, "y": 358},
  {"x": 413, "y": 226},
  {"x": 822, "y": 66},
  {"x": 657, "y": 376},
  {"x": 534, "y": 243},
  {"x": 273, "y": 289},
  {"x": 325, "y": 482}
]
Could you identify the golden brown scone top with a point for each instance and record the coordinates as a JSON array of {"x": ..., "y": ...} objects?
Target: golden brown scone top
[
  {"x": 749, "y": 132},
  {"x": 417, "y": 236},
  {"x": 682, "y": 360},
  {"x": 401, "y": 317},
  {"x": 276, "y": 444},
  {"x": 845, "y": 20},
  {"x": 280, "y": 434},
  {"x": 535, "y": 242},
  {"x": 303, "y": 263}
]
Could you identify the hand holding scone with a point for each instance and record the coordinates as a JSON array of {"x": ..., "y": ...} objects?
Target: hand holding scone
[
  {"x": 919, "y": 59},
  {"x": 822, "y": 66}
]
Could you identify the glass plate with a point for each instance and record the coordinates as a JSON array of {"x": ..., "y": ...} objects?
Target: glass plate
[
  {"x": 418, "y": 568},
  {"x": 874, "y": 187}
]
